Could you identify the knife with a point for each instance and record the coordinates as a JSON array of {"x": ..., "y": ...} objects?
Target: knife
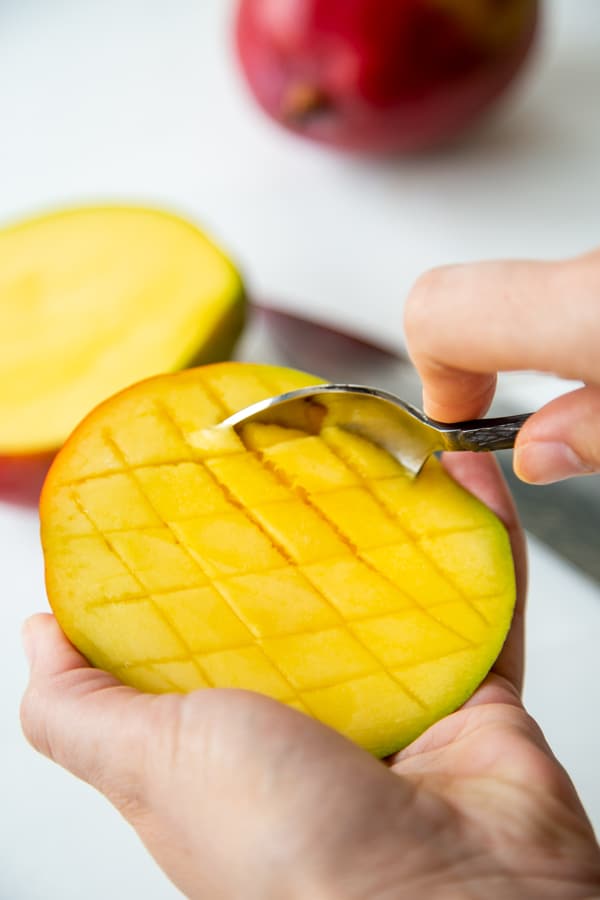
[{"x": 565, "y": 516}]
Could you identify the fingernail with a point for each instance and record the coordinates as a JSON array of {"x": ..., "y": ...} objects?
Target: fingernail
[
  {"x": 28, "y": 643},
  {"x": 543, "y": 462}
]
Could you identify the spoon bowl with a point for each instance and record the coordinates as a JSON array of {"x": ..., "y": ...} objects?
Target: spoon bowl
[{"x": 380, "y": 417}]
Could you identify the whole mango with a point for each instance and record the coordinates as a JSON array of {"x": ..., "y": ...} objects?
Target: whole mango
[{"x": 381, "y": 75}]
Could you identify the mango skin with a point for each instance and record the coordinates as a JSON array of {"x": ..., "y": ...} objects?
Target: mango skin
[
  {"x": 311, "y": 569},
  {"x": 22, "y": 477}
]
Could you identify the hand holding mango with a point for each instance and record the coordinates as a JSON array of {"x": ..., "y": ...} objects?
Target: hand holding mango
[{"x": 237, "y": 795}]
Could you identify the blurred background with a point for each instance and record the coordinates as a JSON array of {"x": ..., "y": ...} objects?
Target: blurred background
[{"x": 124, "y": 100}]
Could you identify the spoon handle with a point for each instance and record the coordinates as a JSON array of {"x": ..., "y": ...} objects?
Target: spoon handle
[{"x": 482, "y": 434}]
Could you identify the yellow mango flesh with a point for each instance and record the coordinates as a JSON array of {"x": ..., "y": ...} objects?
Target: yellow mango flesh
[
  {"x": 93, "y": 299},
  {"x": 310, "y": 568}
]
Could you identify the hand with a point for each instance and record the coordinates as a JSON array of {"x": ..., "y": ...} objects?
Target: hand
[
  {"x": 465, "y": 323},
  {"x": 237, "y": 796}
]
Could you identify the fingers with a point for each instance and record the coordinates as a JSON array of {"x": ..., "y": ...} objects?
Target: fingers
[
  {"x": 561, "y": 440},
  {"x": 480, "y": 474},
  {"x": 215, "y": 776},
  {"x": 465, "y": 323},
  {"x": 81, "y": 717}
]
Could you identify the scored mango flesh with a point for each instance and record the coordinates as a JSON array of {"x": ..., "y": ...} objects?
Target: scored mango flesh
[
  {"x": 93, "y": 299},
  {"x": 313, "y": 569}
]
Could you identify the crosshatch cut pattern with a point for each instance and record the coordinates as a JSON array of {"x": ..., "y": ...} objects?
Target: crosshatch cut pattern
[{"x": 312, "y": 569}]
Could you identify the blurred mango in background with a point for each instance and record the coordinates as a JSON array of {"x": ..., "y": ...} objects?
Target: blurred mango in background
[
  {"x": 91, "y": 300},
  {"x": 382, "y": 75}
]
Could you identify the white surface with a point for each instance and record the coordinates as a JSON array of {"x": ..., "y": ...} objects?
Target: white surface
[{"x": 138, "y": 99}]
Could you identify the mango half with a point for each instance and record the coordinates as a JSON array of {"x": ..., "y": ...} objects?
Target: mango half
[
  {"x": 313, "y": 569},
  {"x": 95, "y": 298}
]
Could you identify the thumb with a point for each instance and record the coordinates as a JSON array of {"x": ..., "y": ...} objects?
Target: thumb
[
  {"x": 83, "y": 718},
  {"x": 561, "y": 440}
]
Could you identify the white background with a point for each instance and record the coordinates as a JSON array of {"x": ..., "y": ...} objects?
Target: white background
[{"x": 141, "y": 100}]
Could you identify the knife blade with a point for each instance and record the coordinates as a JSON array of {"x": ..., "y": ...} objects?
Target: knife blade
[{"x": 565, "y": 516}]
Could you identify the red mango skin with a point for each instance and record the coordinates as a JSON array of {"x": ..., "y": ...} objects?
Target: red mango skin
[
  {"x": 21, "y": 478},
  {"x": 379, "y": 76}
]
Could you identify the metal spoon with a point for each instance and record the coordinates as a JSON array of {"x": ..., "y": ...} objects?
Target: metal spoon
[{"x": 401, "y": 429}]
